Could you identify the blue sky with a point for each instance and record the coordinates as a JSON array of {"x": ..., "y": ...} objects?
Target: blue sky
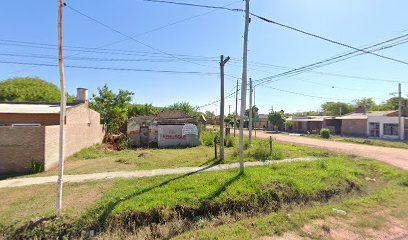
[{"x": 209, "y": 34}]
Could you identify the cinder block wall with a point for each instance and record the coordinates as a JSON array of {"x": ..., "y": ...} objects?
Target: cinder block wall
[{"x": 19, "y": 146}]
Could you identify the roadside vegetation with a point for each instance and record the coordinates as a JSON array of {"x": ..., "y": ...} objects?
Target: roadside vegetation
[
  {"x": 265, "y": 201},
  {"x": 367, "y": 141},
  {"x": 101, "y": 158}
]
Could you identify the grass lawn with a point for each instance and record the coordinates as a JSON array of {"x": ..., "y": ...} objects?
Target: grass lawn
[
  {"x": 98, "y": 159},
  {"x": 373, "y": 142},
  {"x": 207, "y": 205}
]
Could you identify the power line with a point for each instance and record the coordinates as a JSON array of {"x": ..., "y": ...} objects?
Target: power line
[
  {"x": 331, "y": 60},
  {"x": 95, "y": 50},
  {"x": 125, "y": 35},
  {"x": 41, "y": 56},
  {"x": 307, "y": 95},
  {"x": 327, "y": 40},
  {"x": 324, "y": 73},
  {"x": 110, "y": 68},
  {"x": 282, "y": 25}
]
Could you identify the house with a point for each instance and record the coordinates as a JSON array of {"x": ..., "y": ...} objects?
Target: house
[
  {"x": 375, "y": 124},
  {"x": 167, "y": 129},
  {"x": 305, "y": 124},
  {"x": 261, "y": 121},
  {"x": 29, "y": 133}
]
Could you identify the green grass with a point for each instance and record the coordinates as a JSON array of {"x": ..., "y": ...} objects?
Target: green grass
[
  {"x": 260, "y": 189},
  {"x": 202, "y": 199},
  {"x": 213, "y": 204},
  {"x": 99, "y": 159},
  {"x": 373, "y": 142}
]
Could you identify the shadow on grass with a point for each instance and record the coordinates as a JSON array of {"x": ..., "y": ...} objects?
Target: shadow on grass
[{"x": 111, "y": 206}]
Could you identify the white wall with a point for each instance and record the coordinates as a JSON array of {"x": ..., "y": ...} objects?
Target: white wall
[{"x": 385, "y": 120}]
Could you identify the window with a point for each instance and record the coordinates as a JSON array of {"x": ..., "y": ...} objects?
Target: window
[
  {"x": 391, "y": 129},
  {"x": 374, "y": 129}
]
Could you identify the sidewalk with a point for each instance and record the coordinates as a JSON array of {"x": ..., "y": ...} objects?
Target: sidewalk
[{"x": 136, "y": 174}]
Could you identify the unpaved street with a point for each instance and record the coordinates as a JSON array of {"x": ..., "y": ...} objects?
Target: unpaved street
[{"x": 394, "y": 156}]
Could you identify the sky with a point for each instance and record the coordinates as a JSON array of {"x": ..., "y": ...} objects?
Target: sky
[{"x": 190, "y": 40}]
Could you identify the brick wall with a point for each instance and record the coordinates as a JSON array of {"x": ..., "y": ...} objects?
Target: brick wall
[
  {"x": 19, "y": 146},
  {"x": 82, "y": 130},
  {"x": 43, "y": 119}
]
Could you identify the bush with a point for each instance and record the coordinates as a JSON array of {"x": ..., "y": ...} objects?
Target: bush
[
  {"x": 122, "y": 143},
  {"x": 207, "y": 138},
  {"x": 229, "y": 141},
  {"x": 37, "y": 167},
  {"x": 260, "y": 150},
  {"x": 325, "y": 133}
]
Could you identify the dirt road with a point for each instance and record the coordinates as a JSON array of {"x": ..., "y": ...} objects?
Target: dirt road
[{"x": 394, "y": 156}]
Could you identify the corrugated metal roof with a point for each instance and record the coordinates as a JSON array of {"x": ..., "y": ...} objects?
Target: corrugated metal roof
[{"x": 30, "y": 108}]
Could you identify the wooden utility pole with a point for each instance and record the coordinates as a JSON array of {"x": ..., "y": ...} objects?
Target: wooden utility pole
[
  {"x": 222, "y": 131},
  {"x": 62, "y": 111},
  {"x": 250, "y": 112},
  {"x": 243, "y": 89},
  {"x": 400, "y": 130},
  {"x": 236, "y": 108}
]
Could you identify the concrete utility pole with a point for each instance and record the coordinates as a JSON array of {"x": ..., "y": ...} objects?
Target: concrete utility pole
[
  {"x": 400, "y": 130},
  {"x": 62, "y": 111},
  {"x": 222, "y": 131},
  {"x": 243, "y": 89},
  {"x": 236, "y": 108},
  {"x": 250, "y": 112}
]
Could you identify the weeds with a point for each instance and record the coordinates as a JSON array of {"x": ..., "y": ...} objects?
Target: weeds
[{"x": 36, "y": 167}]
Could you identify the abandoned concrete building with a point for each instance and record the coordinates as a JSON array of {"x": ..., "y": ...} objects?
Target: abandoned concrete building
[
  {"x": 29, "y": 133},
  {"x": 167, "y": 129}
]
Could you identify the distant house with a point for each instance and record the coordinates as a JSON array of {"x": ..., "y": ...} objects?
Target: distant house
[
  {"x": 29, "y": 132},
  {"x": 305, "y": 124},
  {"x": 261, "y": 121},
  {"x": 167, "y": 129},
  {"x": 375, "y": 124}
]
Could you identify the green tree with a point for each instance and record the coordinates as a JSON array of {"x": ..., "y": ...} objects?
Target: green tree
[
  {"x": 142, "y": 109},
  {"x": 112, "y": 107},
  {"x": 28, "y": 89},
  {"x": 184, "y": 107},
  {"x": 367, "y": 102},
  {"x": 336, "y": 108},
  {"x": 229, "y": 120},
  {"x": 277, "y": 119},
  {"x": 255, "y": 110},
  {"x": 306, "y": 113},
  {"x": 392, "y": 104}
]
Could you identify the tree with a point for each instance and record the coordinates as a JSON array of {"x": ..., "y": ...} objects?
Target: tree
[
  {"x": 142, "y": 109},
  {"x": 184, "y": 107},
  {"x": 336, "y": 108},
  {"x": 229, "y": 120},
  {"x": 255, "y": 110},
  {"x": 367, "y": 102},
  {"x": 277, "y": 119},
  {"x": 28, "y": 89},
  {"x": 112, "y": 107},
  {"x": 392, "y": 104}
]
